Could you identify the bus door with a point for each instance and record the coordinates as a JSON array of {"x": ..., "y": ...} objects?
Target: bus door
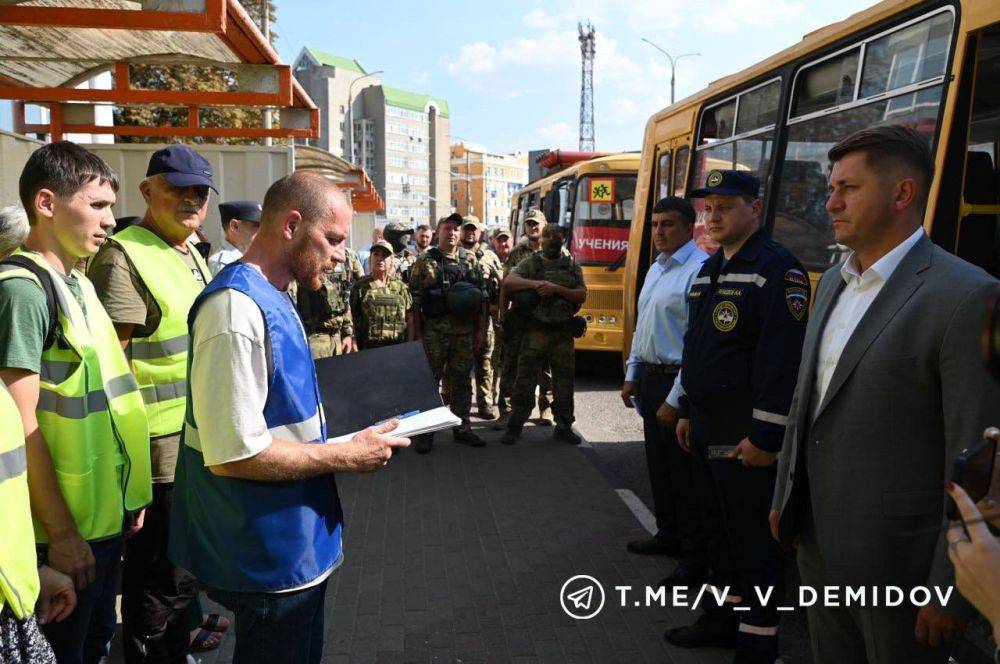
[{"x": 978, "y": 236}]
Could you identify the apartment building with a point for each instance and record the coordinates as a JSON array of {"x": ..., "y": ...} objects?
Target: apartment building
[{"x": 483, "y": 182}]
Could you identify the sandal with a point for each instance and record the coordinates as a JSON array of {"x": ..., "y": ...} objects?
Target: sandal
[
  {"x": 204, "y": 641},
  {"x": 213, "y": 622}
]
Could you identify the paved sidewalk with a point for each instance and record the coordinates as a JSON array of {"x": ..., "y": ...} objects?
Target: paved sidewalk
[{"x": 459, "y": 556}]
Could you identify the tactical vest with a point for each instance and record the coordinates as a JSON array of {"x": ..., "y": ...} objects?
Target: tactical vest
[
  {"x": 324, "y": 308},
  {"x": 19, "y": 567},
  {"x": 384, "y": 312},
  {"x": 555, "y": 310},
  {"x": 159, "y": 361},
  {"x": 244, "y": 535},
  {"x": 434, "y": 300},
  {"x": 90, "y": 413}
]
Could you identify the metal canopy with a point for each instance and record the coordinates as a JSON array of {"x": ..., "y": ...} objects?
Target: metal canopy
[
  {"x": 47, "y": 47},
  {"x": 364, "y": 196}
]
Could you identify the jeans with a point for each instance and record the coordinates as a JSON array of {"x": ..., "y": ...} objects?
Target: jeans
[
  {"x": 276, "y": 627},
  {"x": 85, "y": 636}
]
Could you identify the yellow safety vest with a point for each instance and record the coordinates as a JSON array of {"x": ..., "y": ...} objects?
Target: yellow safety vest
[
  {"x": 18, "y": 564},
  {"x": 91, "y": 414},
  {"x": 159, "y": 361}
]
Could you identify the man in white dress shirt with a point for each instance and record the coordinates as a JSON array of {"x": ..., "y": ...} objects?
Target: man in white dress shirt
[{"x": 657, "y": 346}]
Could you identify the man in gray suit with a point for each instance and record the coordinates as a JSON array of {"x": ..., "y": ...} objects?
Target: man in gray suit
[{"x": 891, "y": 387}]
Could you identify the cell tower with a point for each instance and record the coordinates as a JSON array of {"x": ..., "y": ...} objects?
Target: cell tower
[{"x": 587, "y": 49}]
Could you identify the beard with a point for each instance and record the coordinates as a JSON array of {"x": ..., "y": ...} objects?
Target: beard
[{"x": 306, "y": 267}]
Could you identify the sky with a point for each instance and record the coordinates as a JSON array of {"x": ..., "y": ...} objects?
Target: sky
[{"x": 510, "y": 69}]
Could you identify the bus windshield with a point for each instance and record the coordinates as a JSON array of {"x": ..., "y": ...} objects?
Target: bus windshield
[{"x": 602, "y": 216}]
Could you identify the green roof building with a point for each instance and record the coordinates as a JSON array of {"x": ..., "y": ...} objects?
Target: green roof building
[{"x": 400, "y": 137}]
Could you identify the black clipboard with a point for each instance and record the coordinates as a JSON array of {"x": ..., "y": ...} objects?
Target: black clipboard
[{"x": 361, "y": 389}]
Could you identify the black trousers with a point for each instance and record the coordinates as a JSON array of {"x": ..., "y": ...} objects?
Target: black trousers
[
  {"x": 741, "y": 551},
  {"x": 155, "y": 592},
  {"x": 670, "y": 474}
]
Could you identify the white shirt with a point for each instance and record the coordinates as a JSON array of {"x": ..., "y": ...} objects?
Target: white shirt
[
  {"x": 860, "y": 290},
  {"x": 223, "y": 257},
  {"x": 663, "y": 309}
]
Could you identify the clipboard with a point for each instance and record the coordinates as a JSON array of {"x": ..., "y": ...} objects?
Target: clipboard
[{"x": 361, "y": 389}]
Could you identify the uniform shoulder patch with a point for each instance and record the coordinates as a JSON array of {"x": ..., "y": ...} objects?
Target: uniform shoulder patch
[
  {"x": 797, "y": 301},
  {"x": 725, "y": 316},
  {"x": 796, "y": 277}
]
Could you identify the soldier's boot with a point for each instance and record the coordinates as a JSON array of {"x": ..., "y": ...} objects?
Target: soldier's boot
[
  {"x": 511, "y": 436},
  {"x": 487, "y": 412},
  {"x": 567, "y": 434},
  {"x": 465, "y": 436},
  {"x": 423, "y": 443},
  {"x": 545, "y": 417},
  {"x": 501, "y": 422}
]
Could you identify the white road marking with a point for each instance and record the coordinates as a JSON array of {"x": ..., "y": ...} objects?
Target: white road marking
[{"x": 639, "y": 509}]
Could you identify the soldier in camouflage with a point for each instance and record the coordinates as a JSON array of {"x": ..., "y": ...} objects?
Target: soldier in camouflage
[
  {"x": 449, "y": 307},
  {"x": 397, "y": 234},
  {"x": 472, "y": 231},
  {"x": 513, "y": 325},
  {"x": 503, "y": 242},
  {"x": 326, "y": 313},
  {"x": 555, "y": 281},
  {"x": 380, "y": 303}
]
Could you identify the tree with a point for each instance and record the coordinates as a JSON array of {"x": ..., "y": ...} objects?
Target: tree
[{"x": 192, "y": 77}]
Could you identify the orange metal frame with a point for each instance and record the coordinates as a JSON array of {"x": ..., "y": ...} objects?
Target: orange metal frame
[{"x": 224, "y": 18}]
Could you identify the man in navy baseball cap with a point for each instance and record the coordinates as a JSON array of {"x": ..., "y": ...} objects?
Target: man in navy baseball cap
[
  {"x": 729, "y": 183},
  {"x": 182, "y": 167}
]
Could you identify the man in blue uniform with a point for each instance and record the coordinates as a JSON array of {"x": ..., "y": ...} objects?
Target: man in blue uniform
[{"x": 748, "y": 309}]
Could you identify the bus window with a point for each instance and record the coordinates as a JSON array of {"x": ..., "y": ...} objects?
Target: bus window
[
  {"x": 979, "y": 232},
  {"x": 827, "y": 84},
  {"x": 801, "y": 222},
  {"x": 663, "y": 176},
  {"x": 717, "y": 122},
  {"x": 601, "y": 219},
  {"x": 680, "y": 171},
  {"x": 907, "y": 56},
  {"x": 759, "y": 108}
]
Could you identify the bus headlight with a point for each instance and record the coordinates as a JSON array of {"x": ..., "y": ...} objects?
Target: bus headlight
[
  {"x": 602, "y": 320},
  {"x": 613, "y": 320},
  {"x": 590, "y": 319}
]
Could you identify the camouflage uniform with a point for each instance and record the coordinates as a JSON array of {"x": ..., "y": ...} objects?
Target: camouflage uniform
[
  {"x": 402, "y": 264},
  {"x": 486, "y": 365},
  {"x": 547, "y": 342},
  {"x": 326, "y": 313},
  {"x": 513, "y": 332},
  {"x": 379, "y": 312},
  {"x": 448, "y": 339}
]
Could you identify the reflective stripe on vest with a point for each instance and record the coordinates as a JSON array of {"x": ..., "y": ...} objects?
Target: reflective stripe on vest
[
  {"x": 95, "y": 427},
  {"x": 159, "y": 361},
  {"x": 243, "y": 535},
  {"x": 18, "y": 565}
]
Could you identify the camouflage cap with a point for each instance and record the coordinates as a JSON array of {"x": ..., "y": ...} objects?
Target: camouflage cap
[
  {"x": 471, "y": 220},
  {"x": 398, "y": 227},
  {"x": 500, "y": 231},
  {"x": 534, "y": 214},
  {"x": 382, "y": 244}
]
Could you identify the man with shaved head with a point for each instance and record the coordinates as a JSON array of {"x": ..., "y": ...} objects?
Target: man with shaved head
[{"x": 256, "y": 517}]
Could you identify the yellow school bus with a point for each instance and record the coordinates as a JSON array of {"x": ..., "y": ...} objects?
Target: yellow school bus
[
  {"x": 934, "y": 66},
  {"x": 594, "y": 199}
]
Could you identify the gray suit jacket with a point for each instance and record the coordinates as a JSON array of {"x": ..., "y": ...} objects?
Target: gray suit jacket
[{"x": 910, "y": 391}]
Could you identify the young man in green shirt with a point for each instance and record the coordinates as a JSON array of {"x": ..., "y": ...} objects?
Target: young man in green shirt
[{"x": 86, "y": 435}]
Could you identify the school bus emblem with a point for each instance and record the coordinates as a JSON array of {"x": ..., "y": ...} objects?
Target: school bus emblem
[
  {"x": 714, "y": 179},
  {"x": 602, "y": 190},
  {"x": 725, "y": 316}
]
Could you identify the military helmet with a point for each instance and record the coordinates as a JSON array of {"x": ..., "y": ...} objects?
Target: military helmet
[
  {"x": 464, "y": 299},
  {"x": 395, "y": 234}
]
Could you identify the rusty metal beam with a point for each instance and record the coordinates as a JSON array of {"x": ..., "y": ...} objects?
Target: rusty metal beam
[
  {"x": 213, "y": 19},
  {"x": 166, "y": 131}
]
